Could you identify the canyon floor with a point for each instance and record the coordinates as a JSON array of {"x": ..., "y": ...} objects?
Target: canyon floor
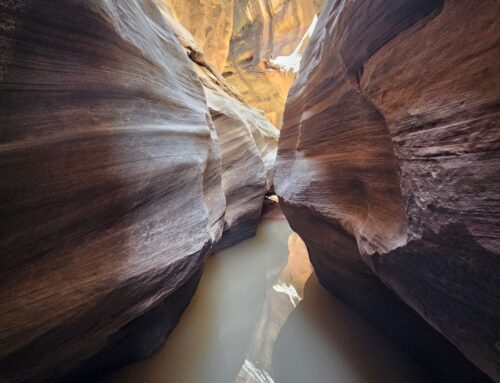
[{"x": 260, "y": 315}]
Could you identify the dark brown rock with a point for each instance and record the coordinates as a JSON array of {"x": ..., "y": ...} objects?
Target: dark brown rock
[
  {"x": 388, "y": 168},
  {"x": 110, "y": 191},
  {"x": 124, "y": 155},
  {"x": 139, "y": 338}
]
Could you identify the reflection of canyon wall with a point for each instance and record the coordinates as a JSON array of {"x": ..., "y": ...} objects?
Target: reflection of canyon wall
[
  {"x": 112, "y": 187},
  {"x": 242, "y": 36},
  {"x": 286, "y": 293},
  {"x": 388, "y": 166}
]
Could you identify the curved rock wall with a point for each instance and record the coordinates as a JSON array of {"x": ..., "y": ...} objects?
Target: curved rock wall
[
  {"x": 246, "y": 139},
  {"x": 388, "y": 169},
  {"x": 112, "y": 189},
  {"x": 262, "y": 31},
  {"x": 210, "y": 22},
  {"x": 243, "y": 37},
  {"x": 240, "y": 159}
]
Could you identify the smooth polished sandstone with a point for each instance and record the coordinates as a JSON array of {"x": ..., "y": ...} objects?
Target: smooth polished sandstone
[
  {"x": 388, "y": 168},
  {"x": 247, "y": 142},
  {"x": 111, "y": 184}
]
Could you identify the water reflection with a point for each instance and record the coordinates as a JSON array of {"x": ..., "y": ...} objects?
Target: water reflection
[
  {"x": 281, "y": 300},
  {"x": 282, "y": 287},
  {"x": 259, "y": 315}
]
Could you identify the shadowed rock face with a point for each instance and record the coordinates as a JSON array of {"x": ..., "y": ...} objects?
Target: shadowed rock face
[
  {"x": 244, "y": 174},
  {"x": 388, "y": 169},
  {"x": 112, "y": 187},
  {"x": 246, "y": 139}
]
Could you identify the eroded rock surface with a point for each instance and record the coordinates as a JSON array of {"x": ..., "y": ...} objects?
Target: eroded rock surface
[
  {"x": 210, "y": 22},
  {"x": 243, "y": 38},
  {"x": 112, "y": 189},
  {"x": 388, "y": 169},
  {"x": 263, "y": 31},
  {"x": 247, "y": 142}
]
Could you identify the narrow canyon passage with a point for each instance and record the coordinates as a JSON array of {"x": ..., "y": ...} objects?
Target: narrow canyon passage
[
  {"x": 260, "y": 315},
  {"x": 249, "y": 191}
]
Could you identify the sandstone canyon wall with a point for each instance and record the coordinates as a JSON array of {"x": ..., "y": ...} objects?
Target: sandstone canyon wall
[
  {"x": 241, "y": 38},
  {"x": 210, "y": 23},
  {"x": 246, "y": 139},
  {"x": 388, "y": 168},
  {"x": 263, "y": 31},
  {"x": 114, "y": 181}
]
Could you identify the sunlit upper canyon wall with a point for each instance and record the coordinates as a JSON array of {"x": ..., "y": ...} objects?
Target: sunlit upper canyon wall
[
  {"x": 125, "y": 160},
  {"x": 388, "y": 168},
  {"x": 256, "y": 44}
]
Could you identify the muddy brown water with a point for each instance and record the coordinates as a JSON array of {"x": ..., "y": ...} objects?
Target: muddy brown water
[{"x": 260, "y": 315}]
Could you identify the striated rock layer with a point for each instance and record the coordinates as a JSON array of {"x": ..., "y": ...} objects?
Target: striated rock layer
[
  {"x": 248, "y": 144},
  {"x": 112, "y": 189},
  {"x": 257, "y": 44},
  {"x": 210, "y": 22},
  {"x": 246, "y": 139},
  {"x": 262, "y": 32},
  {"x": 388, "y": 169}
]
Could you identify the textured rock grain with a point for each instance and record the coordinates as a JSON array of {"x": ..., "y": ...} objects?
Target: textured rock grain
[
  {"x": 242, "y": 37},
  {"x": 110, "y": 180},
  {"x": 247, "y": 141},
  {"x": 119, "y": 145},
  {"x": 388, "y": 166},
  {"x": 210, "y": 22},
  {"x": 248, "y": 144},
  {"x": 262, "y": 31}
]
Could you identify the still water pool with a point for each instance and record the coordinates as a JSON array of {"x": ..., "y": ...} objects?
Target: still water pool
[{"x": 260, "y": 315}]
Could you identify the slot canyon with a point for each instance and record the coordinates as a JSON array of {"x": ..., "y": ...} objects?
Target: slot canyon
[{"x": 250, "y": 191}]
